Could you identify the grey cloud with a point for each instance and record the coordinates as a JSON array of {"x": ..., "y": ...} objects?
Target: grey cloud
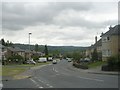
[
  {"x": 81, "y": 22},
  {"x": 19, "y": 15}
]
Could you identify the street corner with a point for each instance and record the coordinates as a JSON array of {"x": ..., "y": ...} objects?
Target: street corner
[{"x": 17, "y": 77}]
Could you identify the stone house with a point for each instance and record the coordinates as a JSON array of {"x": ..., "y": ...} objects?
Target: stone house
[
  {"x": 111, "y": 42},
  {"x": 97, "y": 46},
  {"x": 11, "y": 51}
]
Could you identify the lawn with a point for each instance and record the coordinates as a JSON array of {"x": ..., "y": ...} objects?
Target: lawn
[
  {"x": 96, "y": 64},
  {"x": 11, "y": 70}
]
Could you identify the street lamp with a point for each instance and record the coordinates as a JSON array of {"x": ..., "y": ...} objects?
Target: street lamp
[{"x": 29, "y": 44}]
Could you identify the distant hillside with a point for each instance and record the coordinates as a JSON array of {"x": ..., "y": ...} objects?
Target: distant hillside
[{"x": 61, "y": 49}]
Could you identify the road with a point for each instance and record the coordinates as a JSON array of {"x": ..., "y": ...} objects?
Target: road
[{"x": 63, "y": 75}]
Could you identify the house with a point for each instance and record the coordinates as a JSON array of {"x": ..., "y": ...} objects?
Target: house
[
  {"x": 97, "y": 46},
  {"x": 28, "y": 54},
  {"x": 11, "y": 51},
  {"x": 3, "y": 51},
  {"x": 110, "y": 42}
]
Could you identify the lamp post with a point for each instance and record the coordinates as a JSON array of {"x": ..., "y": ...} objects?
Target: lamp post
[{"x": 29, "y": 44}]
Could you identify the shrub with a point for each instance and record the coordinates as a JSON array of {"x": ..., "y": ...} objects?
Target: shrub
[
  {"x": 112, "y": 64},
  {"x": 35, "y": 58},
  {"x": 112, "y": 61},
  {"x": 82, "y": 66}
]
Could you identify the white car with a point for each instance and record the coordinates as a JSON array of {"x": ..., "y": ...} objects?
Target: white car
[
  {"x": 54, "y": 61},
  {"x": 50, "y": 58},
  {"x": 42, "y": 60},
  {"x": 87, "y": 59},
  {"x": 69, "y": 59},
  {"x": 31, "y": 61}
]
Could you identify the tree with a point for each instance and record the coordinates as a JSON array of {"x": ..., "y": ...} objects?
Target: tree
[
  {"x": 3, "y": 41},
  {"x": 76, "y": 57},
  {"x": 95, "y": 55},
  {"x": 46, "y": 52},
  {"x": 36, "y": 47},
  {"x": 8, "y": 43}
]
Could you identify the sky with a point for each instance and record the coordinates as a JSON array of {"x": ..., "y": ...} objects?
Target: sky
[{"x": 57, "y": 23}]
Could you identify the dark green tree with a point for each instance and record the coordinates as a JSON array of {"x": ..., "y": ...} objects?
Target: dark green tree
[
  {"x": 95, "y": 55},
  {"x": 3, "y": 41},
  {"x": 10, "y": 44},
  {"x": 36, "y": 47},
  {"x": 76, "y": 57},
  {"x": 46, "y": 52}
]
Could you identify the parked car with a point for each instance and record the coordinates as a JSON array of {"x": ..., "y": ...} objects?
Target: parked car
[
  {"x": 54, "y": 61},
  {"x": 69, "y": 59},
  {"x": 50, "y": 58},
  {"x": 87, "y": 60},
  {"x": 42, "y": 60},
  {"x": 31, "y": 61}
]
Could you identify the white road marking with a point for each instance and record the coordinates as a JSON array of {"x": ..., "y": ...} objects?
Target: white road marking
[
  {"x": 40, "y": 87},
  {"x": 91, "y": 79},
  {"x": 36, "y": 83},
  {"x": 53, "y": 69},
  {"x": 51, "y": 86},
  {"x": 56, "y": 70},
  {"x": 40, "y": 80},
  {"x": 33, "y": 80},
  {"x": 78, "y": 77},
  {"x": 44, "y": 82}
]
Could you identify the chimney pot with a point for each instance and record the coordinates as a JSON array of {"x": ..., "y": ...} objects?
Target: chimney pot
[{"x": 95, "y": 39}]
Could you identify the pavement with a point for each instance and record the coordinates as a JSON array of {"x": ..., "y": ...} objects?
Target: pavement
[{"x": 98, "y": 70}]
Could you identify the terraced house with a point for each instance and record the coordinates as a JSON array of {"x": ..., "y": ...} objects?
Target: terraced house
[
  {"x": 111, "y": 42},
  {"x": 97, "y": 46}
]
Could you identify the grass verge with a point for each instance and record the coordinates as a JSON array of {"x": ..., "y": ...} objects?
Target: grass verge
[
  {"x": 11, "y": 70},
  {"x": 96, "y": 64}
]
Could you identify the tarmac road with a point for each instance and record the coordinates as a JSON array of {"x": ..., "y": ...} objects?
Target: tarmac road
[{"x": 63, "y": 75}]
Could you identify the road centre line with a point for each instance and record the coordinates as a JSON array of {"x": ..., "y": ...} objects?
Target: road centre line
[
  {"x": 56, "y": 70},
  {"x": 40, "y": 87}
]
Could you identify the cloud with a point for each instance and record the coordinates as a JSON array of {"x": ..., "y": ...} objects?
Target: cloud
[
  {"x": 22, "y": 15},
  {"x": 61, "y": 23}
]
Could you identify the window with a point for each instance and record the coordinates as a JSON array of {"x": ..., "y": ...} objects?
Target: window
[
  {"x": 108, "y": 38},
  {"x": 108, "y": 52}
]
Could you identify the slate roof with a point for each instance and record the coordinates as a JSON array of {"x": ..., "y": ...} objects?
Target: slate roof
[
  {"x": 97, "y": 44},
  {"x": 113, "y": 31},
  {"x": 15, "y": 49}
]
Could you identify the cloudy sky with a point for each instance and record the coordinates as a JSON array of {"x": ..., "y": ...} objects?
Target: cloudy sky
[{"x": 57, "y": 23}]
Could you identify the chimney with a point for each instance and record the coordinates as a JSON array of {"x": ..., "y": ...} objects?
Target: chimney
[
  {"x": 95, "y": 39},
  {"x": 110, "y": 27}
]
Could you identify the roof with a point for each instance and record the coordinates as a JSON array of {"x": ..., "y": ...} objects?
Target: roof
[
  {"x": 98, "y": 43},
  {"x": 15, "y": 49},
  {"x": 112, "y": 31}
]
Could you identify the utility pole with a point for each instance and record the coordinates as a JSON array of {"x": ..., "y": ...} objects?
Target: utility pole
[{"x": 29, "y": 45}]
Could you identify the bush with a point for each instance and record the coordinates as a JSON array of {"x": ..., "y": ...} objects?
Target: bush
[
  {"x": 112, "y": 64},
  {"x": 105, "y": 68},
  {"x": 82, "y": 66},
  {"x": 35, "y": 58},
  {"x": 112, "y": 61},
  {"x": 15, "y": 59}
]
